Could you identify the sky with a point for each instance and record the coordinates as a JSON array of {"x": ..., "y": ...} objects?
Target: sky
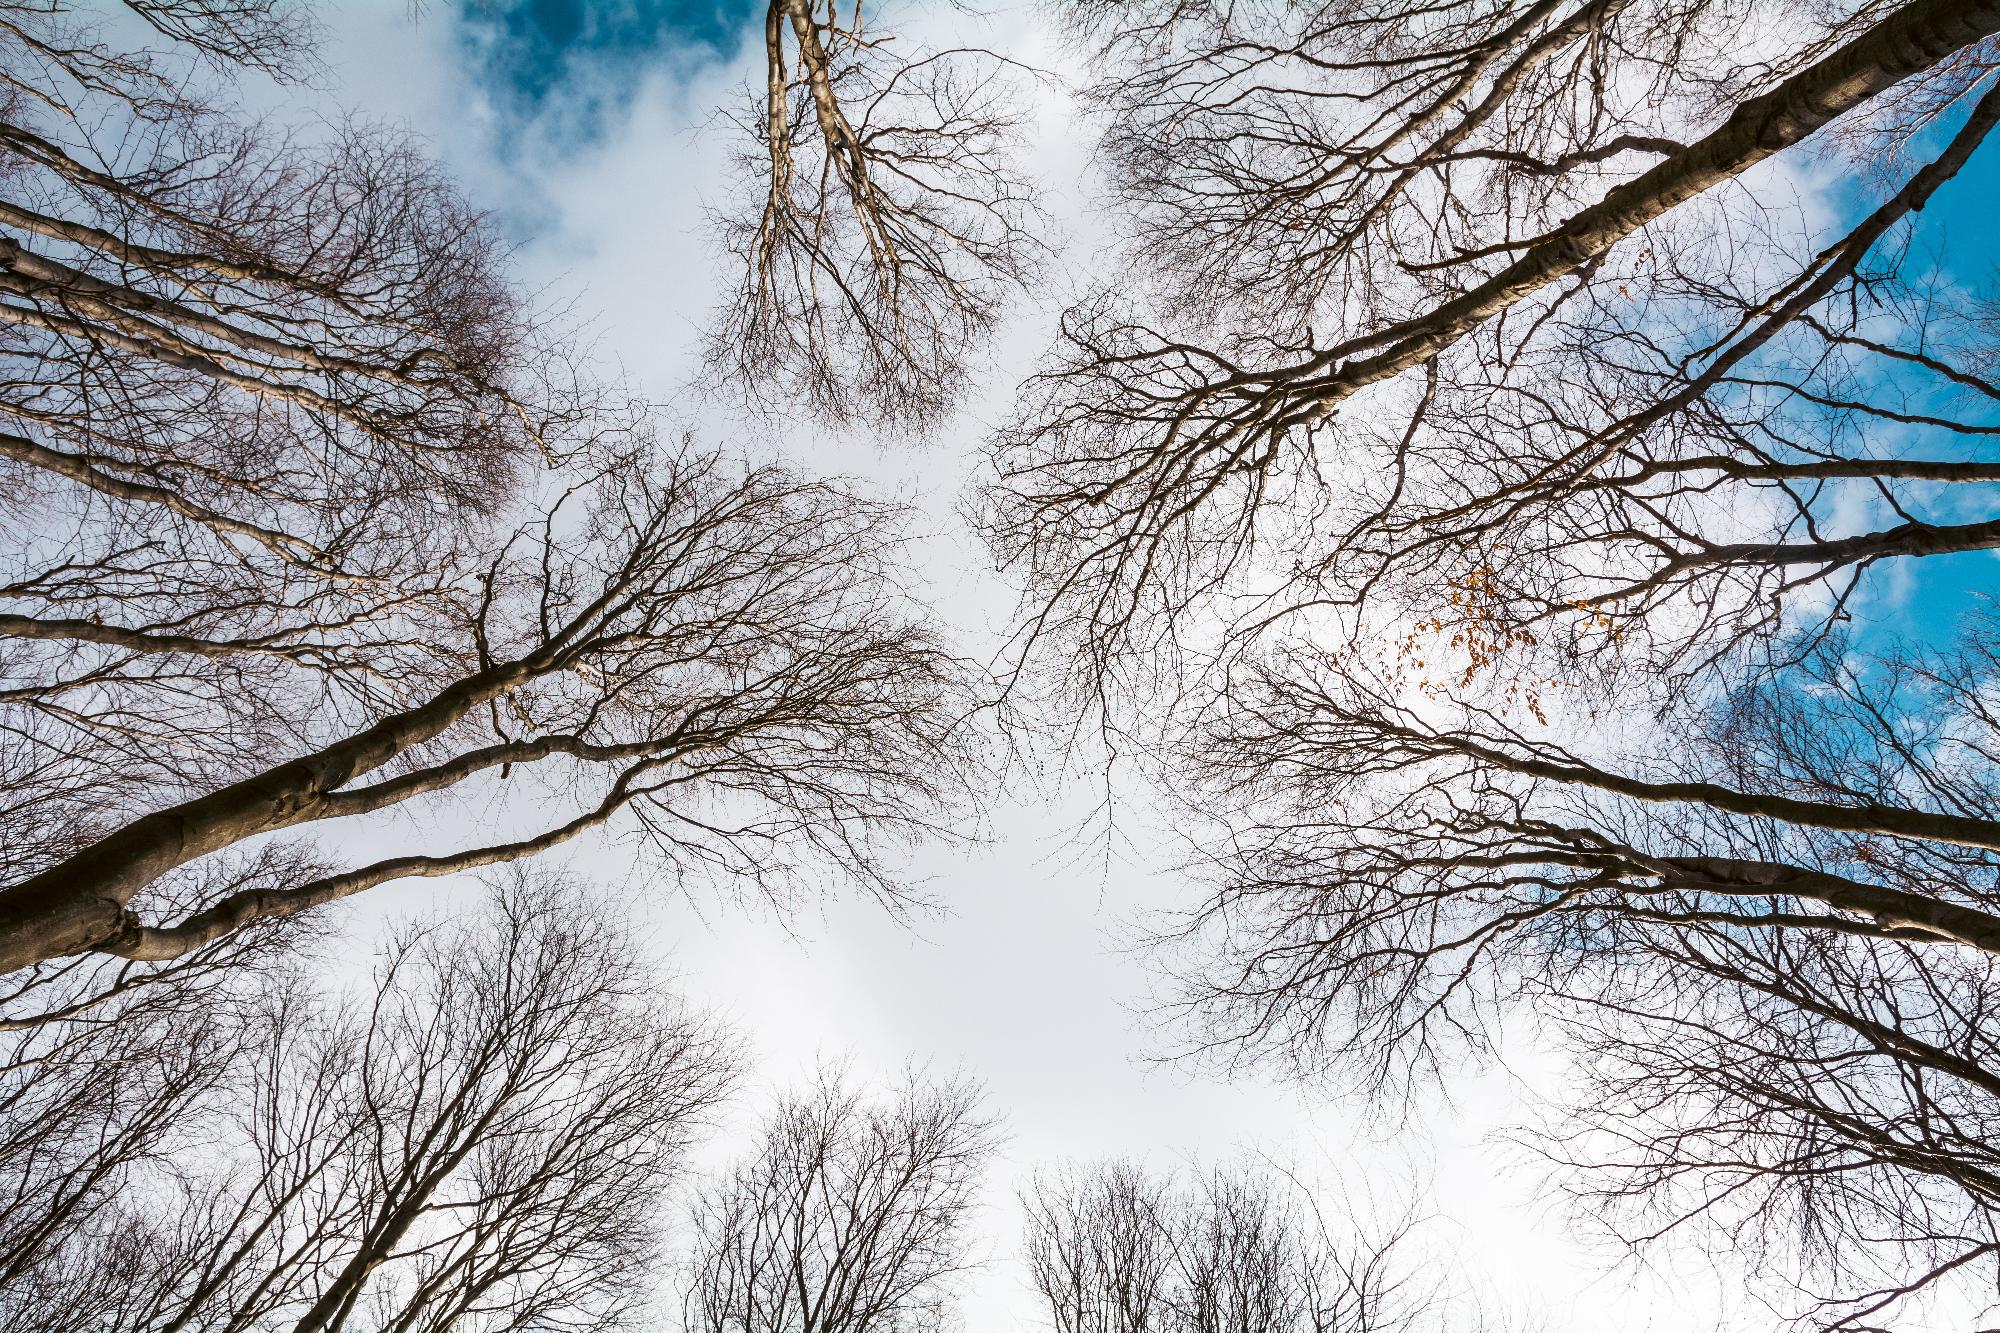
[
  {"x": 581, "y": 126},
  {"x": 1962, "y": 213},
  {"x": 1953, "y": 225},
  {"x": 580, "y": 61}
]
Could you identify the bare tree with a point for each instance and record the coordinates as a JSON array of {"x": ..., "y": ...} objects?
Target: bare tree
[
  {"x": 1387, "y": 858},
  {"x": 283, "y": 556},
  {"x": 882, "y": 223},
  {"x": 256, "y": 393},
  {"x": 1467, "y": 409},
  {"x": 93, "y": 1095},
  {"x": 850, "y": 1215},
  {"x": 1460, "y": 378},
  {"x": 1769, "y": 948},
  {"x": 1811, "y": 1108},
  {"x": 480, "y": 1143},
  {"x": 1418, "y": 271},
  {"x": 1710, "y": 446},
  {"x": 1098, "y": 1248},
  {"x": 1115, "y": 1249},
  {"x": 726, "y": 649}
]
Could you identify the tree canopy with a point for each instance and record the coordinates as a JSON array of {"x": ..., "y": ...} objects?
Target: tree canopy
[{"x": 1472, "y": 484}]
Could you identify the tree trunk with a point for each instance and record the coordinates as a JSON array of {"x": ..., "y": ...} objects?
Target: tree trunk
[{"x": 81, "y": 902}]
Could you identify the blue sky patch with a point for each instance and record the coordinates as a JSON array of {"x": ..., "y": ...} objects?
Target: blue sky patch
[
  {"x": 581, "y": 58},
  {"x": 1929, "y": 602}
]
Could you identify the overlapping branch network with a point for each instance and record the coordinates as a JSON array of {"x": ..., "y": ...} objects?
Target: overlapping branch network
[
  {"x": 471, "y": 1139},
  {"x": 1485, "y": 462},
  {"x": 314, "y": 518},
  {"x": 1439, "y": 416}
]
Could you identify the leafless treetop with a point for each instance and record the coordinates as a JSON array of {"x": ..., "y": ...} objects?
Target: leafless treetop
[{"x": 882, "y": 224}]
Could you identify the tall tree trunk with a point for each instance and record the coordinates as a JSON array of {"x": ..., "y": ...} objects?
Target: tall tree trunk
[{"x": 81, "y": 902}]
